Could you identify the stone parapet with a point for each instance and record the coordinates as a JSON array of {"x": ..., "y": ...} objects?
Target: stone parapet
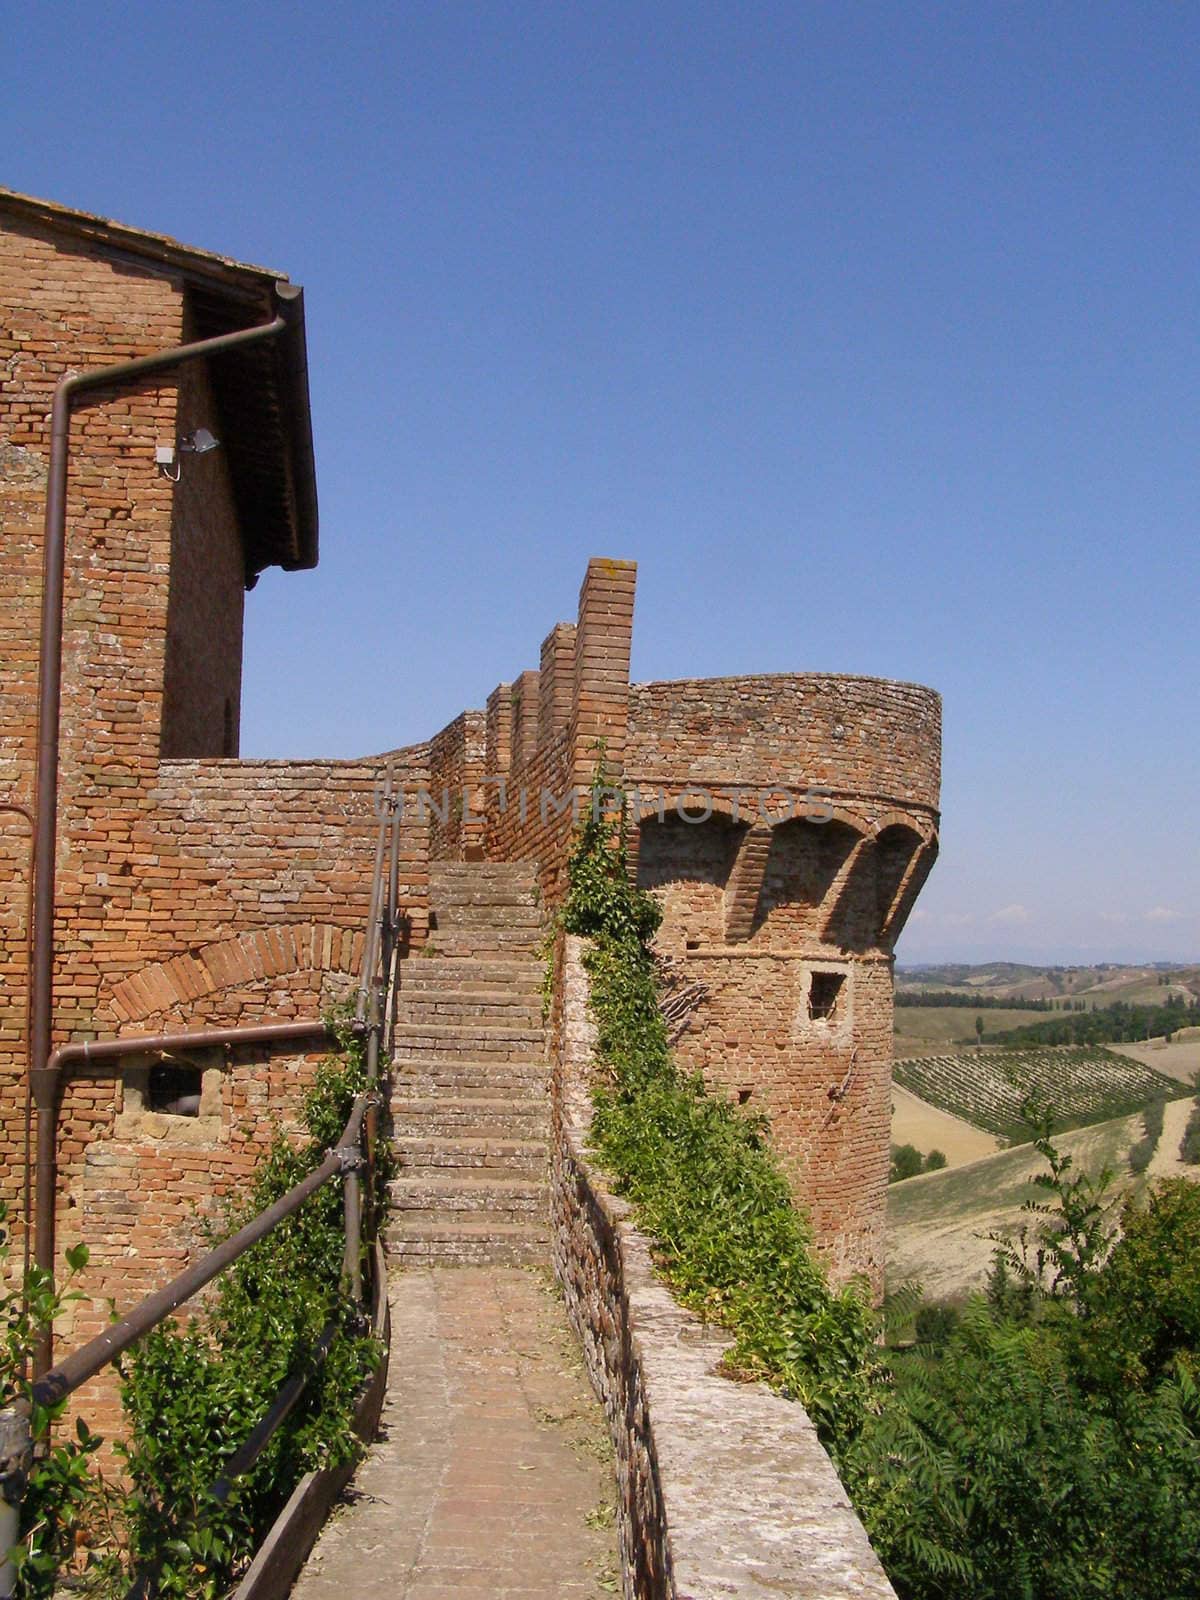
[{"x": 724, "y": 1489}]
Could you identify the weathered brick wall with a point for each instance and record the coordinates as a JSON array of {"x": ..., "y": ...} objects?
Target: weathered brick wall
[
  {"x": 723, "y": 1488},
  {"x": 245, "y": 898},
  {"x": 455, "y": 796},
  {"x": 202, "y": 686},
  {"x": 545, "y": 730},
  {"x": 868, "y": 739},
  {"x": 60, "y": 308},
  {"x": 778, "y": 916}
]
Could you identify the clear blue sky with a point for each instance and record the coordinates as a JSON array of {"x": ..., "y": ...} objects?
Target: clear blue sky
[{"x": 870, "y": 331}]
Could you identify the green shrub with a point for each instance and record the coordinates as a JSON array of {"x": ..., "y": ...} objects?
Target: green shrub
[
  {"x": 907, "y": 1162},
  {"x": 61, "y": 1494},
  {"x": 193, "y": 1392},
  {"x": 935, "y": 1161},
  {"x": 1049, "y": 1447},
  {"x": 700, "y": 1175},
  {"x": 935, "y": 1323}
]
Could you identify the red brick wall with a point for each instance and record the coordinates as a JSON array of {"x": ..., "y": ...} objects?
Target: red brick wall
[
  {"x": 544, "y": 730},
  {"x": 454, "y": 805},
  {"x": 61, "y": 308},
  {"x": 189, "y": 891},
  {"x": 202, "y": 687}
]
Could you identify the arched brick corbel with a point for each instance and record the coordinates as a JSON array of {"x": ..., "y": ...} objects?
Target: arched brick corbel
[
  {"x": 859, "y": 859},
  {"x": 744, "y": 885},
  {"x": 903, "y": 895},
  {"x": 171, "y": 986}
]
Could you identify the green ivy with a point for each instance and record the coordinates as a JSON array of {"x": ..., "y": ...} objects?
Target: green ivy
[{"x": 699, "y": 1171}]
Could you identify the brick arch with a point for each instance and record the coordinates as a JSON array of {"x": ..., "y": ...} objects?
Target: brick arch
[
  {"x": 249, "y": 958},
  {"x": 921, "y": 826},
  {"x": 819, "y": 813},
  {"x": 901, "y": 879},
  {"x": 806, "y": 864}
]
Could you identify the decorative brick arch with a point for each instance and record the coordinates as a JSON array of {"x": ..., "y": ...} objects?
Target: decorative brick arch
[{"x": 249, "y": 958}]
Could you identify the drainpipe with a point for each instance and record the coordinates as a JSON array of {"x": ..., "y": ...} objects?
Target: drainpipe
[
  {"x": 69, "y": 388},
  {"x": 11, "y": 808}
]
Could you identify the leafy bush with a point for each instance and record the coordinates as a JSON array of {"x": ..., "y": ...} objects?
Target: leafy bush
[
  {"x": 61, "y": 1492},
  {"x": 1049, "y": 1446},
  {"x": 1142, "y": 1153},
  {"x": 699, "y": 1173},
  {"x": 907, "y": 1162},
  {"x": 193, "y": 1392}
]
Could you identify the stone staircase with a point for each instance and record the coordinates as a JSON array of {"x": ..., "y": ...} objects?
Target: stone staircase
[{"x": 470, "y": 1106}]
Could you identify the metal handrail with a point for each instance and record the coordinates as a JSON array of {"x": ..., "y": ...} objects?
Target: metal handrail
[{"x": 353, "y": 1153}]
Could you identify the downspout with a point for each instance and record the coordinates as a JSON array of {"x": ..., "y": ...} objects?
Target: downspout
[
  {"x": 12, "y": 808},
  {"x": 43, "y": 1074}
]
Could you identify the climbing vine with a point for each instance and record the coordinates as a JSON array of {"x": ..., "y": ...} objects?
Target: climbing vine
[{"x": 699, "y": 1171}]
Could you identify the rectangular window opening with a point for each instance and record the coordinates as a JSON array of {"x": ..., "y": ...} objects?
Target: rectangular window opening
[
  {"x": 174, "y": 1091},
  {"x": 824, "y": 993}
]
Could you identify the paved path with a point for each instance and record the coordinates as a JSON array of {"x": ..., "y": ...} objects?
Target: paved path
[{"x": 494, "y": 1476}]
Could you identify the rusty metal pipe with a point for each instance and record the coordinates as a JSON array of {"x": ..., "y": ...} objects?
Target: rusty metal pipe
[
  {"x": 93, "y": 1357},
  {"x": 47, "y": 1084},
  {"x": 71, "y": 387},
  {"x": 13, "y": 808}
]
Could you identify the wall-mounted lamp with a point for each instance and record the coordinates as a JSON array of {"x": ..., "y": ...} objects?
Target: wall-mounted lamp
[{"x": 197, "y": 443}]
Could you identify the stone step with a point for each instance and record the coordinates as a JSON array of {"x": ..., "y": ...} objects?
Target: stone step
[
  {"x": 476, "y": 1117},
  {"x": 480, "y": 1006},
  {"x": 493, "y": 942},
  {"x": 440, "y": 1154},
  {"x": 427, "y": 1199},
  {"x": 444, "y": 1077},
  {"x": 480, "y": 871},
  {"x": 445, "y": 1042},
  {"x": 493, "y": 892},
  {"x": 469, "y": 1243},
  {"x": 523, "y": 982},
  {"x": 489, "y": 969},
  {"x": 492, "y": 915}
]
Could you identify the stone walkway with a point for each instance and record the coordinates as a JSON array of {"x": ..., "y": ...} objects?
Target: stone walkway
[{"x": 494, "y": 1475}]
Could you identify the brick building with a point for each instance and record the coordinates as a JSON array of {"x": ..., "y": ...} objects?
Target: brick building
[{"x": 197, "y": 888}]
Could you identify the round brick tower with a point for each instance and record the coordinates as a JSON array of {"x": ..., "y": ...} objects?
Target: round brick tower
[{"x": 788, "y": 825}]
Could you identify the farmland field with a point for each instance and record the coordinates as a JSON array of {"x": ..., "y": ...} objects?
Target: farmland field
[
  {"x": 1081, "y": 1084},
  {"x": 922, "y": 1030},
  {"x": 938, "y": 1224}
]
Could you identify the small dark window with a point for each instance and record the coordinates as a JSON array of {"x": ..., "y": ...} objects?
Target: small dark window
[
  {"x": 174, "y": 1091},
  {"x": 743, "y": 1098},
  {"x": 824, "y": 993},
  {"x": 692, "y": 944}
]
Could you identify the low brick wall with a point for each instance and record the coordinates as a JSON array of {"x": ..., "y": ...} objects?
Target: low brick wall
[{"x": 724, "y": 1489}]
